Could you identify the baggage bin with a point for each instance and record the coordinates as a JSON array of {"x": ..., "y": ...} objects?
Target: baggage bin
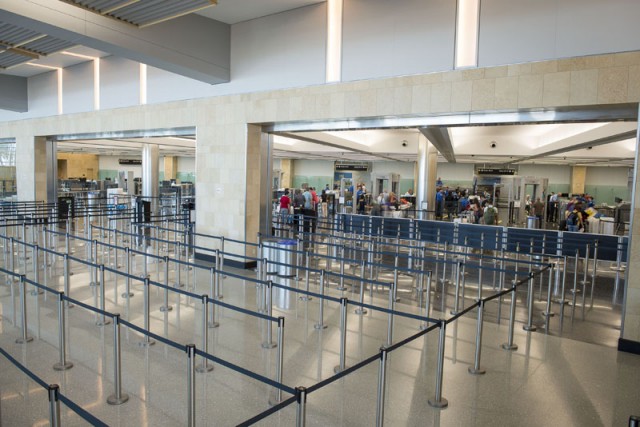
[
  {"x": 607, "y": 225},
  {"x": 286, "y": 258},
  {"x": 270, "y": 252},
  {"x": 532, "y": 222}
]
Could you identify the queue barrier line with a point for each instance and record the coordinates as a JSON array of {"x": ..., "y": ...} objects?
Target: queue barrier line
[
  {"x": 246, "y": 372},
  {"x": 87, "y": 306},
  {"x": 270, "y": 411},
  {"x": 243, "y": 310},
  {"x": 150, "y": 334},
  {"x": 343, "y": 373},
  {"x": 85, "y": 415},
  {"x": 413, "y": 337}
]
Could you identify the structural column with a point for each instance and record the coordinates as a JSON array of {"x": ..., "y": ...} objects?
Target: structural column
[
  {"x": 630, "y": 331},
  {"x": 170, "y": 167},
  {"x": 427, "y": 172},
  {"x": 31, "y": 167},
  {"x": 150, "y": 173},
  {"x": 578, "y": 179}
]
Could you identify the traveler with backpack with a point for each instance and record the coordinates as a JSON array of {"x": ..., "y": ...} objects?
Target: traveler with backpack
[
  {"x": 490, "y": 215},
  {"x": 575, "y": 219}
]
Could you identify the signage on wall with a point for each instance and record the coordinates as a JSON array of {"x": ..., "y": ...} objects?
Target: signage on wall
[
  {"x": 502, "y": 171},
  {"x": 351, "y": 167},
  {"x": 129, "y": 162}
]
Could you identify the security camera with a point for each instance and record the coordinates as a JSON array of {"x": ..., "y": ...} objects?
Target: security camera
[
  {"x": 404, "y": 143},
  {"x": 493, "y": 145}
]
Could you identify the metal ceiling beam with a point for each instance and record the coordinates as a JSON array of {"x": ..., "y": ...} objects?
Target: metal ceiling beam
[
  {"x": 439, "y": 137},
  {"x": 192, "y": 46},
  {"x": 329, "y": 144},
  {"x": 601, "y": 141}
]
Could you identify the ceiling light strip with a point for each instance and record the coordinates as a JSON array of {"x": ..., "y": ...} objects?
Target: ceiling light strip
[
  {"x": 334, "y": 41},
  {"x": 467, "y": 27}
]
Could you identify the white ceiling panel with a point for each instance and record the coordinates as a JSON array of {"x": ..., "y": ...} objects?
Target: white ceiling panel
[{"x": 234, "y": 11}]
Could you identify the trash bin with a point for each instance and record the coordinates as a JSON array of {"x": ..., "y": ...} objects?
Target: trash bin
[
  {"x": 533, "y": 222},
  {"x": 286, "y": 258},
  {"x": 607, "y": 225},
  {"x": 270, "y": 252}
]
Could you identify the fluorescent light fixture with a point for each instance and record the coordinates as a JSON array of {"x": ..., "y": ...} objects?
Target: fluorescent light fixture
[
  {"x": 334, "y": 40},
  {"x": 467, "y": 25},
  {"x": 143, "y": 84},
  {"x": 78, "y": 55},
  {"x": 96, "y": 84},
  {"x": 282, "y": 140},
  {"x": 181, "y": 138}
]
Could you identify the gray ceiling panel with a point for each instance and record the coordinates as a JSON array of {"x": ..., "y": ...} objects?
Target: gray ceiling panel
[
  {"x": 142, "y": 13},
  {"x": 9, "y": 59},
  {"x": 15, "y": 36},
  {"x": 48, "y": 45}
]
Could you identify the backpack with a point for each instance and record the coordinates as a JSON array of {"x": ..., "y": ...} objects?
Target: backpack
[
  {"x": 572, "y": 219},
  {"x": 490, "y": 216}
]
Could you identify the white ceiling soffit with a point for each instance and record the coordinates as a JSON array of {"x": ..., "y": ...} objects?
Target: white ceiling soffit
[
  {"x": 168, "y": 146},
  {"x": 142, "y": 13},
  {"x": 19, "y": 45},
  {"x": 234, "y": 11}
]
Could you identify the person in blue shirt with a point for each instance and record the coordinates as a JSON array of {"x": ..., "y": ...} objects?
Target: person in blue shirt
[
  {"x": 439, "y": 182},
  {"x": 439, "y": 204},
  {"x": 464, "y": 203}
]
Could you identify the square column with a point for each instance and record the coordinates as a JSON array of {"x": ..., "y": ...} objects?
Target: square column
[{"x": 31, "y": 168}]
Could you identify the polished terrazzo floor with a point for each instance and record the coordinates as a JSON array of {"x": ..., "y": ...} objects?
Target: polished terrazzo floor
[{"x": 548, "y": 381}]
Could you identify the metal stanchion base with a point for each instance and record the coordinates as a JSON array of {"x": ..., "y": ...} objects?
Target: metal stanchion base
[
  {"x": 273, "y": 400},
  {"x": 269, "y": 345},
  {"x": 305, "y": 298},
  {"x": 36, "y": 292},
  {"x": 103, "y": 322},
  {"x": 127, "y": 295},
  {"x": 166, "y": 308},
  {"x": 545, "y": 314},
  {"x": 337, "y": 369},
  {"x": 213, "y": 324},
  {"x": 341, "y": 288},
  {"x": 453, "y": 312},
  {"x": 442, "y": 403},
  {"x": 560, "y": 301},
  {"x": 203, "y": 369},
  {"x": 24, "y": 340},
  {"x": 423, "y": 326},
  {"x": 114, "y": 400},
  {"x": 94, "y": 284},
  {"x": 474, "y": 371},
  {"x": 178, "y": 285},
  {"x": 319, "y": 326},
  {"x": 219, "y": 297},
  {"x": 360, "y": 311},
  {"x": 62, "y": 366},
  {"x": 509, "y": 347},
  {"x": 529, "y": 328},
  {"x": 146, "y": 343}
]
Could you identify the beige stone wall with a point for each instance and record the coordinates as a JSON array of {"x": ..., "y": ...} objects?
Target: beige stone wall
[
  {"x": 578, "y": 179},
  {"x": 227, "y": 151},
  {"x": 170, "y": 167},
  {"x": 79, "y": 165}
]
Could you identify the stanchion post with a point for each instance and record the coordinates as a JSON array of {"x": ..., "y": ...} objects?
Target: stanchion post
[
  {"x": 301, "y": 412},
  {"x": 390, "y": 319},
  {"x": 457, "y": 290},
  {"x": 363, "y": 271},
  {"x": 166, "y": 307},
  {"x": 66, "y": 273},
  {"x": 279, "y": 362},
  {"x": 127, "y": 290},
  {"x": 146, "y": 340},
  {"x": 382, "y": 385},
  {"x": 529, "y": 326},
  {"x": 306, "y": 297},
  {"x": 438, "y": 401},
  {"x": 427, "y": 301},
  {"x": 118, "y": 397},
  {"x": 205, "y": 367},
  {"x": 218, "y": 279},
  {"x": 102, "y": 320},
  {"x": 54, "y": 405},
  {"x": 269, "y": 302},
  {"x": 320, "y": 324},
  {"x": 63, "y": 364},
  {"x": 509, "y": 345},
  {"x": 212, "y": 317},
  {"x": 191, "y": 385},
  {"x": 475, "y": 369},
  {"x": 24, "y": 338},
  {"x": 344, "y": 302},
  {"x": 547, "y": 313}
]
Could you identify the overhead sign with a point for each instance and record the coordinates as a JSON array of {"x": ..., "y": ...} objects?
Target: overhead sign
[
  {"x": 129, "y": 162},
  {"x": 503, "y": 171},
  {"x": 352, "y": 167}
]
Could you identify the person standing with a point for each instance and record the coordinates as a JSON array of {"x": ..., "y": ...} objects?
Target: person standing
[
  {"x": 307, "y": 210},
  {"x": 552, "y": 208},
  {"x": 285, "y": 202},
  {"x": 538, "y": 210}
]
